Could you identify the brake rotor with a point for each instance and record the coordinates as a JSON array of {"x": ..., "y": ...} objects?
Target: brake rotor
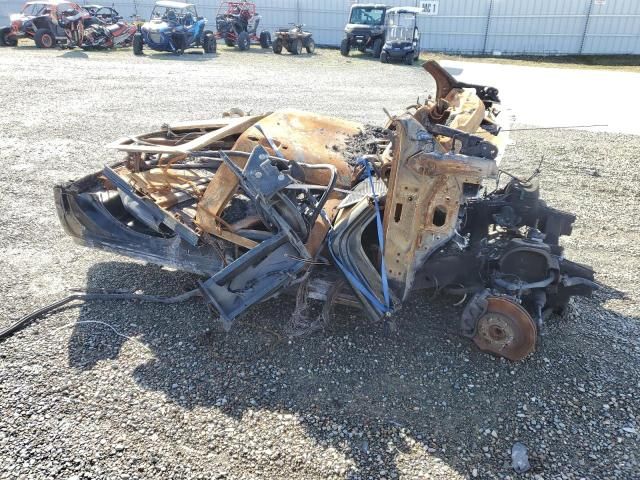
[{"x": 505, "y": 329}]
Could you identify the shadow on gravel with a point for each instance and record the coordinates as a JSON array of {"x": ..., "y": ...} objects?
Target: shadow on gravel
[
  {"x": 423, "y": 393},
  {"x": 74, "y": 54},
  {"x": 188, "y": 56}
]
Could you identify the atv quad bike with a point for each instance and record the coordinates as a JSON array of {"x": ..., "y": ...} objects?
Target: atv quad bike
[
  {"x": 237, "y": 24},
  {"x": 365, "y": 29},
  {"x": 174, "y": 27},
  {"x": 262, "y": 204},
  {"x": 40, "y": 21},
  {"x": 402, "y": 35},
  {"x": 293, "y": 39}
]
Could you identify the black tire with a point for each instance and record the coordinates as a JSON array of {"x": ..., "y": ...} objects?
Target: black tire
[
  {"x": 408, "y": 59},
  {"x": 244, "y": 42},
  {"x": 210, "y": 43},
  {"x": 344, "y": 47},
  {"x": 296, "y": 46},
  {"x": 310, "y": 45},
  {"x": 265, "y": 39},
  {"x": 229, "y": 43},
  {"x": 384, "y": 57},
  {"x": 277, "y": 46},
  {"x": 377, "y": 47},
  {"x": 6, "y": 38},
  {"x": 44, "y": 38},
  {"x": 203, "y": 36},
  {"x": 137, "y": 43}
]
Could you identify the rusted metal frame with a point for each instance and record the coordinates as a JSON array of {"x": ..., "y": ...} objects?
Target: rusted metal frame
[
  {"x": 233, "y": 127},
  {"x": 301, "y": 137}
]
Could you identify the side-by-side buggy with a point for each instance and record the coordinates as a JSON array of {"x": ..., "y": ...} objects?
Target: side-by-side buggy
[{"x": 237, "y": 24}]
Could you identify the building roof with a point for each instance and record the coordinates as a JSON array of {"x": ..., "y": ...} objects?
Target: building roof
[{"x": 415, "y": 10}]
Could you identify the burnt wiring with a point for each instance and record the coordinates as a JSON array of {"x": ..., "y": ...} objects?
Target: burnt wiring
[{"x": 91, "y": 296}]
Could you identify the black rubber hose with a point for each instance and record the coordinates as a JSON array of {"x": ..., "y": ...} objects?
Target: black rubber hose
[{"x": 84, "y": 296}]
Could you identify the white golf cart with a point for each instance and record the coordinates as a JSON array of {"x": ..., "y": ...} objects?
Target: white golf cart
[{"x": 402, "y": 40}]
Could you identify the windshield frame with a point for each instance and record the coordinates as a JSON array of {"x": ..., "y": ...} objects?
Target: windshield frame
[
  {"x": 355, "y": 10},
  {"x": 159, "y": 11},
  {"x": 34, "y": 9},
  {"x": 397, "y": 22}
]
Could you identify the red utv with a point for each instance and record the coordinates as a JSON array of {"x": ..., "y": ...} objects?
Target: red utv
[
  {"x": 38, "y": 20},
  {"x": 237, "y": 24}
]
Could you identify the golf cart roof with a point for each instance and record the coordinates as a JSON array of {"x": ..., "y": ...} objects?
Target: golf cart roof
[
  {"x": 172, "y": 4},
  {"x": 413, "y": 10},
  {"x": 369, "y": 5}
]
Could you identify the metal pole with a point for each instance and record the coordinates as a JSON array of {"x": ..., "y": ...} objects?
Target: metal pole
[
  {"x": 298, "y": 11},
  {"x": 486, "y": 30},
  {"x": 586, "y": 27}
]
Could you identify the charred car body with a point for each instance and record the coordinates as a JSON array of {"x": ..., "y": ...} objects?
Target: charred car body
[{"x": 258, "y": 204}]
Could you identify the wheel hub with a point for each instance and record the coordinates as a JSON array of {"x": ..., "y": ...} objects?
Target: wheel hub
[{"x": 505, "y": 329}]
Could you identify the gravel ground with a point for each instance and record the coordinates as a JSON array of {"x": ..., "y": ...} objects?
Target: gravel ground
[{"x": 179, "y": 398}]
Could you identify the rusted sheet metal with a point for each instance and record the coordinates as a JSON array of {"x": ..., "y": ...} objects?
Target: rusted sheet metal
[
  {"x": 424, "y": 197},
  {"x": 299, "y": 136}
]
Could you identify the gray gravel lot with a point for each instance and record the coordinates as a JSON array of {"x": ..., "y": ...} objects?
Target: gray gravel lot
[{"x": 182, "y": 399}]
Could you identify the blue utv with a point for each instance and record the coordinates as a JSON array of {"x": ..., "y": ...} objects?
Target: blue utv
[{"x": 174, "y": 27}]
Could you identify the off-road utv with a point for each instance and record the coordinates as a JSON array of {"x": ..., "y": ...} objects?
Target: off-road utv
[
  {"x": 174, "y": 27},
  {"x": 39, "y": 20},
  {"x": 293, "y": 40},
  {"x": 237, "y": 24},
  {"x": 402, "y": 42},
  {"x": 365, "y": 30}
]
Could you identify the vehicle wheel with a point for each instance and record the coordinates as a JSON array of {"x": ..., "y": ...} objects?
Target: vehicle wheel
[
  {"x": 344, "y": 47},
  {"x": 311, "y": 45},
  {"x": 243, "y": 41},
  {"x": 6, "y": 39},
  {"x": 265, "y": 39},
  {"x": 296, "y": 47},
  {"x": 384, "y": 57},
  {"x": 137, "y": 44},
  {"x": 377, "y": 47},
  {"x": 210, "y": 43},
  {"x": 44, "y": 38},
  {"x": 229, "y": 43},
  {"x": 203, "y": 36},
  {"x": 277, "y": 46},
  {"x": 408, "y": 59},
  {"x": 506, "y": 330}
]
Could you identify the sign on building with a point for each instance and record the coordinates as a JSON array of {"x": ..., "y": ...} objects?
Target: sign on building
[{"x": 430, "y": 7}]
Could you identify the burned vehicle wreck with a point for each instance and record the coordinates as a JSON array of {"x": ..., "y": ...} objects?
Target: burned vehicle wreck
[{"x": 258, "y": 204}]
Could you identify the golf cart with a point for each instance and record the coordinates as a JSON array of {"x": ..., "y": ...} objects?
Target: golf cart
[
  {"x": 402, "y": 37},
  {"x": 174, "y": 27},
  {"x": 365, "y": 29}
]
